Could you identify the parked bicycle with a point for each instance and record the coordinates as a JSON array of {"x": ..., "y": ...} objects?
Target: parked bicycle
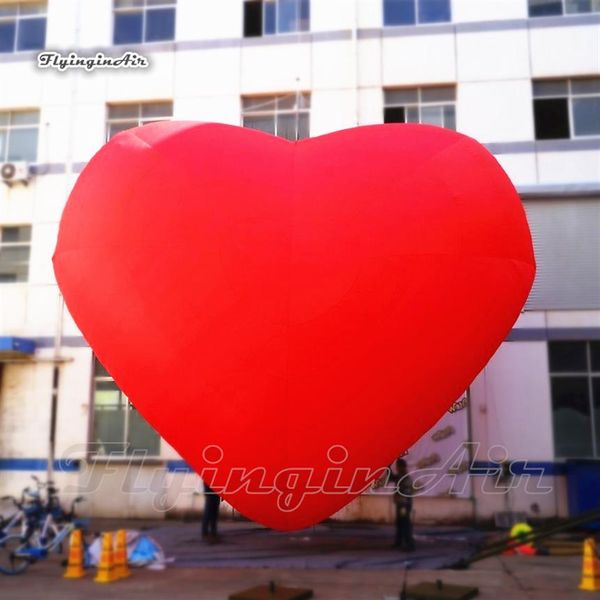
[{"x": 37, "y": 528}]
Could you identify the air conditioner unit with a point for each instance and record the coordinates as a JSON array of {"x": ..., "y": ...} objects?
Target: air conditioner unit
[{"x": 14, "y": 172}]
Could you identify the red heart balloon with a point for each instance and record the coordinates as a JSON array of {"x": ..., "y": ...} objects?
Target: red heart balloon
[{"x": 293, "y": 316}]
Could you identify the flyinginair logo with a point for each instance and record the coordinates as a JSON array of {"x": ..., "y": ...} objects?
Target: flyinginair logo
[{"x": 61, "y": 62}]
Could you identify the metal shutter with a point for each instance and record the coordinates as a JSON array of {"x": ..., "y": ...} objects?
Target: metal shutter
[{"x": 566, "y": 237}]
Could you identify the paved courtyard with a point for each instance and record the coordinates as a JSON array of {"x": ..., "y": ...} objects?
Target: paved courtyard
[{"x": 338, "y": 563}]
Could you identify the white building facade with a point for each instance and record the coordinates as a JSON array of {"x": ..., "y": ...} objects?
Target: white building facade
[{"x": 520, "y": 76}]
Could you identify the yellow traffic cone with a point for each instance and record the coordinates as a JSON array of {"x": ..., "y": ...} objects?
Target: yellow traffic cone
[
  {"x": 590, "y": 575},
  {"x": 75, "y": 568},
  {"x": 105, "y": 572},
  {"x": 121, "y": 569}
]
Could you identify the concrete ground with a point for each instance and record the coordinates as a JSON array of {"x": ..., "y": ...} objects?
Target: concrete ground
[{"x": 498, "y": 578}]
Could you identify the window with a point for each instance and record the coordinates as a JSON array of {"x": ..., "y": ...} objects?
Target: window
[
  {"x": 15, "y": 245},
  {"x": 285, "y": 115},
  {"x": 118, "y": 426},
  {"x": 19, "y": 135},
  {"x": 432, "y": 105},
  {"x": 126, "y": 116},
  {"x": 544, "y": 8},
  {"x": 411, "y": 12},
  {"x": 268, "y": 17},
  {"x": 22, "y": 26},
  {"x": 139, "y": 21},
  {"x": 566, "y": 108},
  {"x": 575, "y": 384}
]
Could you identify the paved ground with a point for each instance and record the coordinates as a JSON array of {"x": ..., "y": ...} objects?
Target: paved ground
[
  {"x": 331, "y": 546},
  {"x": 505, "y": 578}
]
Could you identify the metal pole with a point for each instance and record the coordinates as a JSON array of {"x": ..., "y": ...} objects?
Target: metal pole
[{"x": 55, "y": 382}]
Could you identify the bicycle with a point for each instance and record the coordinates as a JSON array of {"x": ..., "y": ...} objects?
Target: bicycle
[
  {"x": 17, "y": 553},
  {"x": 43, "y": 528}
]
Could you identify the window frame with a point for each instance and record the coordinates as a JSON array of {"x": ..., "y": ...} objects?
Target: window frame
[
  {"x": 143, "y": 9},
  {"x": 570, "y": 96},
  {"x": 17, "y": 18},
  {"x": 419, "y": 104},
  {"x": 140, "y": 119},
  {"x": 18, "y": 244},
  {"x": 563, "y": 13},
  {"x": 264, "y": 32},
  {"x": 128, "y": 408},
  {"x": 274, "y": 113},
  {"x": 589, "y": 374},
  {"x": 11, "y": 127},
  {"x": 417, "y": 22}
]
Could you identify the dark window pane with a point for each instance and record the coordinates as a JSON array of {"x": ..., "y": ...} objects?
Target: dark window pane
[
  {"x": 266, "y": 124},
  {"x": 157, "y": 110},
  {"x": 399, "y": 12},
  {"x": 22, "y": 144},
  {"x": 551, "y": 119},
  {"x": 109, "y": 425},
  {"x": 7, "y": 36},
  {"x": 287, "y": 127},
  {"x": 128, "y": 3},
  {"x": 259, "y": 103},
  {"x": 541, "y": 8},
  {"x": 253, "y": 18},
  {"x": 16, "y": 234},
  {"x": 141, "y": 437},
  {"x": 586, "y": 86},
  {"x": 270, "y": 18},
  {"x": 99, "y": 370},
  {"x": 568, "y": 357},
  {"x": 32, "y": 8},
  {"x": 128, "y": 28},
  {"x": 432, "y": 115},
  {"x": 303, "y": 126},
  {"x": 434, "y": 11},
  {"x": 32, "y": 34},
  {"x": 571, "y": 417},
  {"x": 287, "y": 16},
  {"x": 412, "y": 114},
  {"x": 438, "y": 94},
  {"x": 160, "y": 24},
  {"x": 595, "y": 353},
  {"x": 124, "y": 111},
  {"x": 552, "y": 88},
  {"x": 115, "y": 128},
  {"x": 304, "y": 24},
  {"x": 450, "y": 117},
  {"x": 402, "y": 96},
  {"x": 394, "y": 114},
  {"x": 9, "y": 10},
  {"x": 586, "y": 116},
  {"x": 24, "y": 117},
  {"x": 578, "y": 6}
]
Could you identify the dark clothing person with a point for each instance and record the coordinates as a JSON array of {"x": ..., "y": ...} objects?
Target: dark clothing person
[
  {"x": 403, "y": 500},
  {"x": 211, "y": 514}
]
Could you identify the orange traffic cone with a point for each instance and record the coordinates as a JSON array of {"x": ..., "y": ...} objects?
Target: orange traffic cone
[
  {"x": 590, "y": 574},
  {"x": 121, "y": 569},
  {"x": 105, "y": 572},
  {"x": 75, "y": 568}
]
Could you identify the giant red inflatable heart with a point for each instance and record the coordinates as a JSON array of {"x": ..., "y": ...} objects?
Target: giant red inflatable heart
[{"x": 290, "y": 317}]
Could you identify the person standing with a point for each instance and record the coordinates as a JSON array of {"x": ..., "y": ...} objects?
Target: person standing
[
  {"x": 210, "y": 516},
  {"x": 403, "y": 497}
]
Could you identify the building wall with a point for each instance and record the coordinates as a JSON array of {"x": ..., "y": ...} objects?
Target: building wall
[{"x": 491, "y": 50}]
